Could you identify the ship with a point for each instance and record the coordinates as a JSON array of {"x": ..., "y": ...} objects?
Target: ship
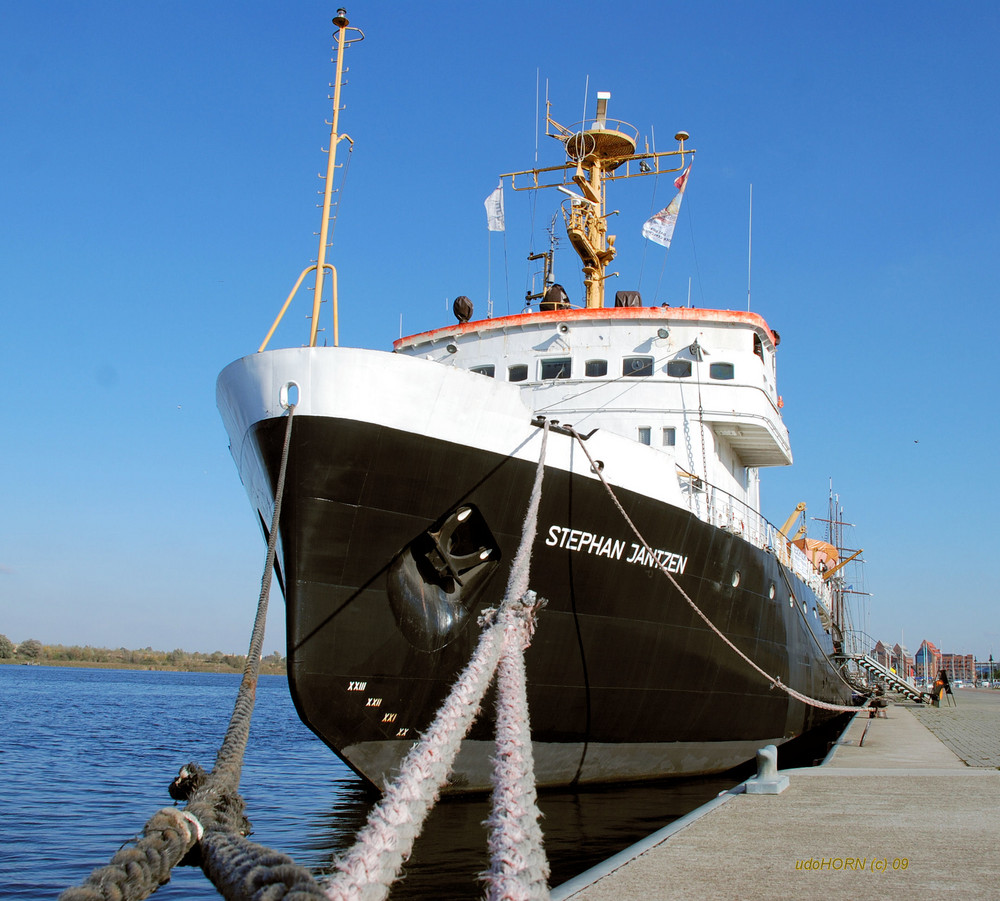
[{"x": 408, "y": 475}]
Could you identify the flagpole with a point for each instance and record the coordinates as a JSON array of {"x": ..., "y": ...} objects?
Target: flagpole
[
  {"x": 749, "y": 246},
  {"x": 489, "y": 274}
]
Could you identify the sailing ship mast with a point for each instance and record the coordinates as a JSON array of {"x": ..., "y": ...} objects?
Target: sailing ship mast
[
  {"x": 840, "y": 610},
  {"x": 598, "y": 151}
]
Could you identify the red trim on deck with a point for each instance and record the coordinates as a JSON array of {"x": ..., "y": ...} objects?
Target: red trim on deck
[{"x": 605, "y": 313}]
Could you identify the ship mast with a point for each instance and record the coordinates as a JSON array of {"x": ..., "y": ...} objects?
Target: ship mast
[
  {"x": 321, "y": 266},
  {"x": 598, "y": 150}
]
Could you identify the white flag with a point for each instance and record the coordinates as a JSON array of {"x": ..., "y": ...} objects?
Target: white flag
[
  {"x": 660, "y": 228},
  {"x": 494, "y": 210}
]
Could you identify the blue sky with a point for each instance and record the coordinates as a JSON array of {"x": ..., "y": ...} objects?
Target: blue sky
[{"x": 158, "y": 202}]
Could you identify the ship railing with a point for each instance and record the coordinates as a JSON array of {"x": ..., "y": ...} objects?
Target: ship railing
[
  {"x": 726, "y": 511},
  {"x": 857, "y": 643}
]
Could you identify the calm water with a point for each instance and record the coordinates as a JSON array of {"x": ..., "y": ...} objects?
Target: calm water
[{"x": 86, "y": 757}]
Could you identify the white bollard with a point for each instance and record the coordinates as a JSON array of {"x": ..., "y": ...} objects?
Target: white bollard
[{"x": 768, "y": 780}]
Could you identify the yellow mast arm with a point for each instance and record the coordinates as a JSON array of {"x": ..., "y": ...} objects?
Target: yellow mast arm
[
  {"x": 842, "y": 564},
  {"x": 800, "y": 507}
]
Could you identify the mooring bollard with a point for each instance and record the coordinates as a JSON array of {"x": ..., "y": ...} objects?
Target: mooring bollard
[{"x": 768, "y": 780}]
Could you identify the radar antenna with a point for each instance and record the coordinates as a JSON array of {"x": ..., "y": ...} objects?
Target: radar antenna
[{"x": 598, "y": 150}]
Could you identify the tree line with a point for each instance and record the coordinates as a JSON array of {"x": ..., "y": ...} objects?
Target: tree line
[{"x": 33, "y": 651}]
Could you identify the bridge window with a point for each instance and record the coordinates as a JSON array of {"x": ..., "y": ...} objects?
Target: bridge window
[
  {"x": 596, "y": 368},
  {"x": 669, "y": 437},
  {"x": 721, "y": 371},
  {"x": 644, "y": 434},
  {"x": 556, "y": 369},
  {"x": 517, "y": 373},
  {"x": 679, "y": 369},
  {"x": 637, "y": 366},
  {"x": 489, "y": 370}
]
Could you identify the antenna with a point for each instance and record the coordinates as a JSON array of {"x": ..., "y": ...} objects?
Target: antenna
[{"x": 538, "y": 75}]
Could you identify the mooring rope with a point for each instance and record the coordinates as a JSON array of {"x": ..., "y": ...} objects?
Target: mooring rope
[
  {"x": 519, "y": 869},
  {"x": 773, "y": 680},
  {"x": 367, "y": 870},
  {"x": 212, "y": 826},
  {"x": 211, "y": 830}
]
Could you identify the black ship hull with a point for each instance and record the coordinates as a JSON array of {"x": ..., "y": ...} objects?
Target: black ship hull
[{"x": 391, "y": 543}]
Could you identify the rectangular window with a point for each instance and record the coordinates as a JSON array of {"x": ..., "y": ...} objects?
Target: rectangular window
[
  {"x": 489, "y": 370},
  {"x": 596, "y": 368},
  {"x": 517, "y": 373},
  {"x": 637, "y": 366},
  {"x": 644, "y": 434},
  {"x": 679, "y": 369},
  {"x": 721, "y": 371},
  {"x": 669, "y": 437},
  {"x": 556, "y": 369}
]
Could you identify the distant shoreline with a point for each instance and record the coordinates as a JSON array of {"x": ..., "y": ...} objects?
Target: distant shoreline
[{"x": 265, "y": 670}]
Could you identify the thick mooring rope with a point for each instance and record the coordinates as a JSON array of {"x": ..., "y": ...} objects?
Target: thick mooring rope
[
  {"x": 773, "y": 680},
  {"x": 519, "y": 869},
  {"x": 211, "y": 825},
  {"x": 384, "y": 844},
  {"x": 212, "y": 828}
]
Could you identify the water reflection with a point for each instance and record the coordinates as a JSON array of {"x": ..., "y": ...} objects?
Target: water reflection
[
  {"x": 581, "y": 828},
  {"x": 87, "y": 756}
]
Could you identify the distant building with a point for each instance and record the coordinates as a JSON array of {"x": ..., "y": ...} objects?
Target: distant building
[
  {"x": 959, "y": 666},
  {"x": 903, "y": 662},
  {"x": 882, "y": 654},
  {"x": 894, "y": 658},
  {"x": 927, "y": 661}
]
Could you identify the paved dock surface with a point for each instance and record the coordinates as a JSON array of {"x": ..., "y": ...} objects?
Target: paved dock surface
[{"x": 914, "y": 812}]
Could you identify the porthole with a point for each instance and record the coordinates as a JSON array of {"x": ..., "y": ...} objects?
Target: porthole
[
  {"x": 791, "y": 600},
  {"x": 770, "y": 591},
  {"x": 736, "y": 578}
]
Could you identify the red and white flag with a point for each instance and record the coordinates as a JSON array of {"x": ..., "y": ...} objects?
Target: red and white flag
[{"x": 660, "y": 228}]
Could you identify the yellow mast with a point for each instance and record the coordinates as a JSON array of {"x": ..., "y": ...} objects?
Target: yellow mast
[
  {"x": 598, "y": 150},
  {"x": 321, "y": 266}
]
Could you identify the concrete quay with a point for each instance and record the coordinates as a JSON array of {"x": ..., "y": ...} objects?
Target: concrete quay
[{"x": 911, "y": 812}]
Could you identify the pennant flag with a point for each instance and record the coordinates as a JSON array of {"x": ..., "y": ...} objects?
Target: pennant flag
[
  {"x": 660, "y": 228},
  {"x": 494, "y": 210}
]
